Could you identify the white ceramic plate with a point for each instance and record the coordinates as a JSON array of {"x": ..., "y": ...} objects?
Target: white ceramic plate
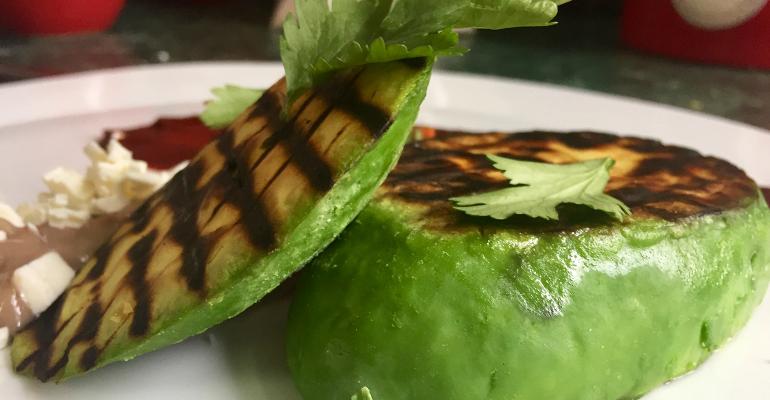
[{"x": 45, "y": 123}]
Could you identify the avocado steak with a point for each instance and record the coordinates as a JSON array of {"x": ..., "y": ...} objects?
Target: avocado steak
[
  {"x": 419, "y": 301},
  {"x": 250, "y": 209}
]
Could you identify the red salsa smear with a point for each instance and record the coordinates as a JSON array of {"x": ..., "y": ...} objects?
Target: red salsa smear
[{"x": 167, "y": 142}]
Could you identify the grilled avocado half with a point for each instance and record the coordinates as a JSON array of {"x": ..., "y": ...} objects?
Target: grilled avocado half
[
  {"x": 419, "y": 301},
  {"x": 250, "y": 209}
]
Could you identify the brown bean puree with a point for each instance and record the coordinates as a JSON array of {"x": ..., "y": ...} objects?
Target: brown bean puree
[{"x": 24, "y": 245}]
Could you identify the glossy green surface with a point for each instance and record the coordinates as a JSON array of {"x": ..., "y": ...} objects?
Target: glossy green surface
[{"x": 602, "y": 313}]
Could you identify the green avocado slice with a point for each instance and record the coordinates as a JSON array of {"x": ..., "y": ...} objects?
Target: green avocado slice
[
  {"x": 251, "y": 208},
  {"x": 416, "y": 300}
]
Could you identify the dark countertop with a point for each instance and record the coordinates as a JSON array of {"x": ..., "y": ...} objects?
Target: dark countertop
[{"x": 583, "y": 51}]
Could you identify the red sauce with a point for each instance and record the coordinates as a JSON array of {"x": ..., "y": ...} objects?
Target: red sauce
[{"x": 167, "y": 142}]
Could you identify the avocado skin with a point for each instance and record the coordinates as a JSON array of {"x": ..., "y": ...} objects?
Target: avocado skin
[{"x": 605, "y": 313}]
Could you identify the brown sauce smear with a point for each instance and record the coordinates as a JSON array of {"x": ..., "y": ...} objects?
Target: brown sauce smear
[{"x": 24, "y": 245}]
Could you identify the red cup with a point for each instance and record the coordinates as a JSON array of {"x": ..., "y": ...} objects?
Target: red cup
[
  {"x": 48, "y": 17},
  {"x": 698, "y": 30}
]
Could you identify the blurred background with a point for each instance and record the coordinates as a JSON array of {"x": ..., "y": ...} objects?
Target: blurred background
[{"x": 706, "y": 55}]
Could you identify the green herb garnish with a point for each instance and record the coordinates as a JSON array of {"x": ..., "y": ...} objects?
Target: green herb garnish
[
  {"x": 230, "y": 101},
  {"x": 326, "y": 35},
  {"x": 540, "y": 187}
]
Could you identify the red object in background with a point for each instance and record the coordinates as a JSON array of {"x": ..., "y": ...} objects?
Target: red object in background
[
  {"x": 45, "y": 17},
  {"x": 656, "y": 26}
]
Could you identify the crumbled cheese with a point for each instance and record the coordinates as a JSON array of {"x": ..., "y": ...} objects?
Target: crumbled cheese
[
  {"x": 33, "y": 213},
  {"x": 3, "y": 337},
  {"x": 112, "y": 182},
  {"x": 111, "y": 204},
  {"x": 60, "y": 200},
  {"x": 140, "y": 185},
  {"x": 117, "y": 153},
  {"x": 8, "y": 214},
  {"x": 95, "y": 152},
  {"x": 3, "y": 236},
  {"x": 62, "y": 217},
  {"x": 42, "y": 280},
  {"x": 69, "y": 183}
]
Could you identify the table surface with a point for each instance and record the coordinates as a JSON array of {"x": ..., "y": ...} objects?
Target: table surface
[{"x": 582, "y": 51}]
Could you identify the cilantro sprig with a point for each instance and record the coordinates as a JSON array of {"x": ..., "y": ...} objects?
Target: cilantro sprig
[
  {"x": 323, "y": 36},
  {"x": 541, "y": 187},
  {"x": 230, "y": 101},
  {"x": 327, "y": 35}
]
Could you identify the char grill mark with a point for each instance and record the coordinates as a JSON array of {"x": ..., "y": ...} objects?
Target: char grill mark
[
  {"x": 140, "y": 255},
  {"x": 183, "y": 197},
  {"x": 655, "y": 180}
]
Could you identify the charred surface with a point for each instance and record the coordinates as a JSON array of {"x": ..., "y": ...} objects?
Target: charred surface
[
  {"x": 240, "y": 192},
  {"x": 653, "y": 179}
]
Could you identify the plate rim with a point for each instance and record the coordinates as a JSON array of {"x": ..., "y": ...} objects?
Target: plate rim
[{"x": 9, "y": 90}]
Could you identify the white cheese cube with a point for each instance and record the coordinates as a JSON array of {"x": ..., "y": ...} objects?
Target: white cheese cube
[
  {"x": 117, "y": 153},
  {"x": 60, "y": 200},
  {"x": 8, "y": 214},
  {"x": 140, "y": 185},
  {"x": 42, "y": 280},
  {"x": 62, "y": 218},
  {"x": 110, "y": 204},
  {"x": 33, "y": 213},
  {"x": 107, "y": 177},
  {"x": 3, "y": 236},
  {"x": 3, "y": 337},
  {"x": 136, "y": 167},
  {"x": 95, "y": 152},
  {"x": 69, "y": 182}
]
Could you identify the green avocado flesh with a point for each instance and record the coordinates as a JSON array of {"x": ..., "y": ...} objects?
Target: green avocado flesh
[
  {"x": 252, "y": 208},
  {"x": 608, "y": 312}
]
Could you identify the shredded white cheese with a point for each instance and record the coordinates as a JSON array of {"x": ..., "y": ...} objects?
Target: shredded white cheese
[{"x": 112, "y": 181}]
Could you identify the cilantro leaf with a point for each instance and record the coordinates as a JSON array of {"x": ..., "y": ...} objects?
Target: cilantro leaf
[
  {"x": 323, "y": 36},
  {"x": 543, "y": 187},
  {"x": 230, "y": 102}
]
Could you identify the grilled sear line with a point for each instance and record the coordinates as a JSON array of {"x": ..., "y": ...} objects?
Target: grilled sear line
[
  {"x": 653, "y": 179},
  {"x": 223, "y": 220}
]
